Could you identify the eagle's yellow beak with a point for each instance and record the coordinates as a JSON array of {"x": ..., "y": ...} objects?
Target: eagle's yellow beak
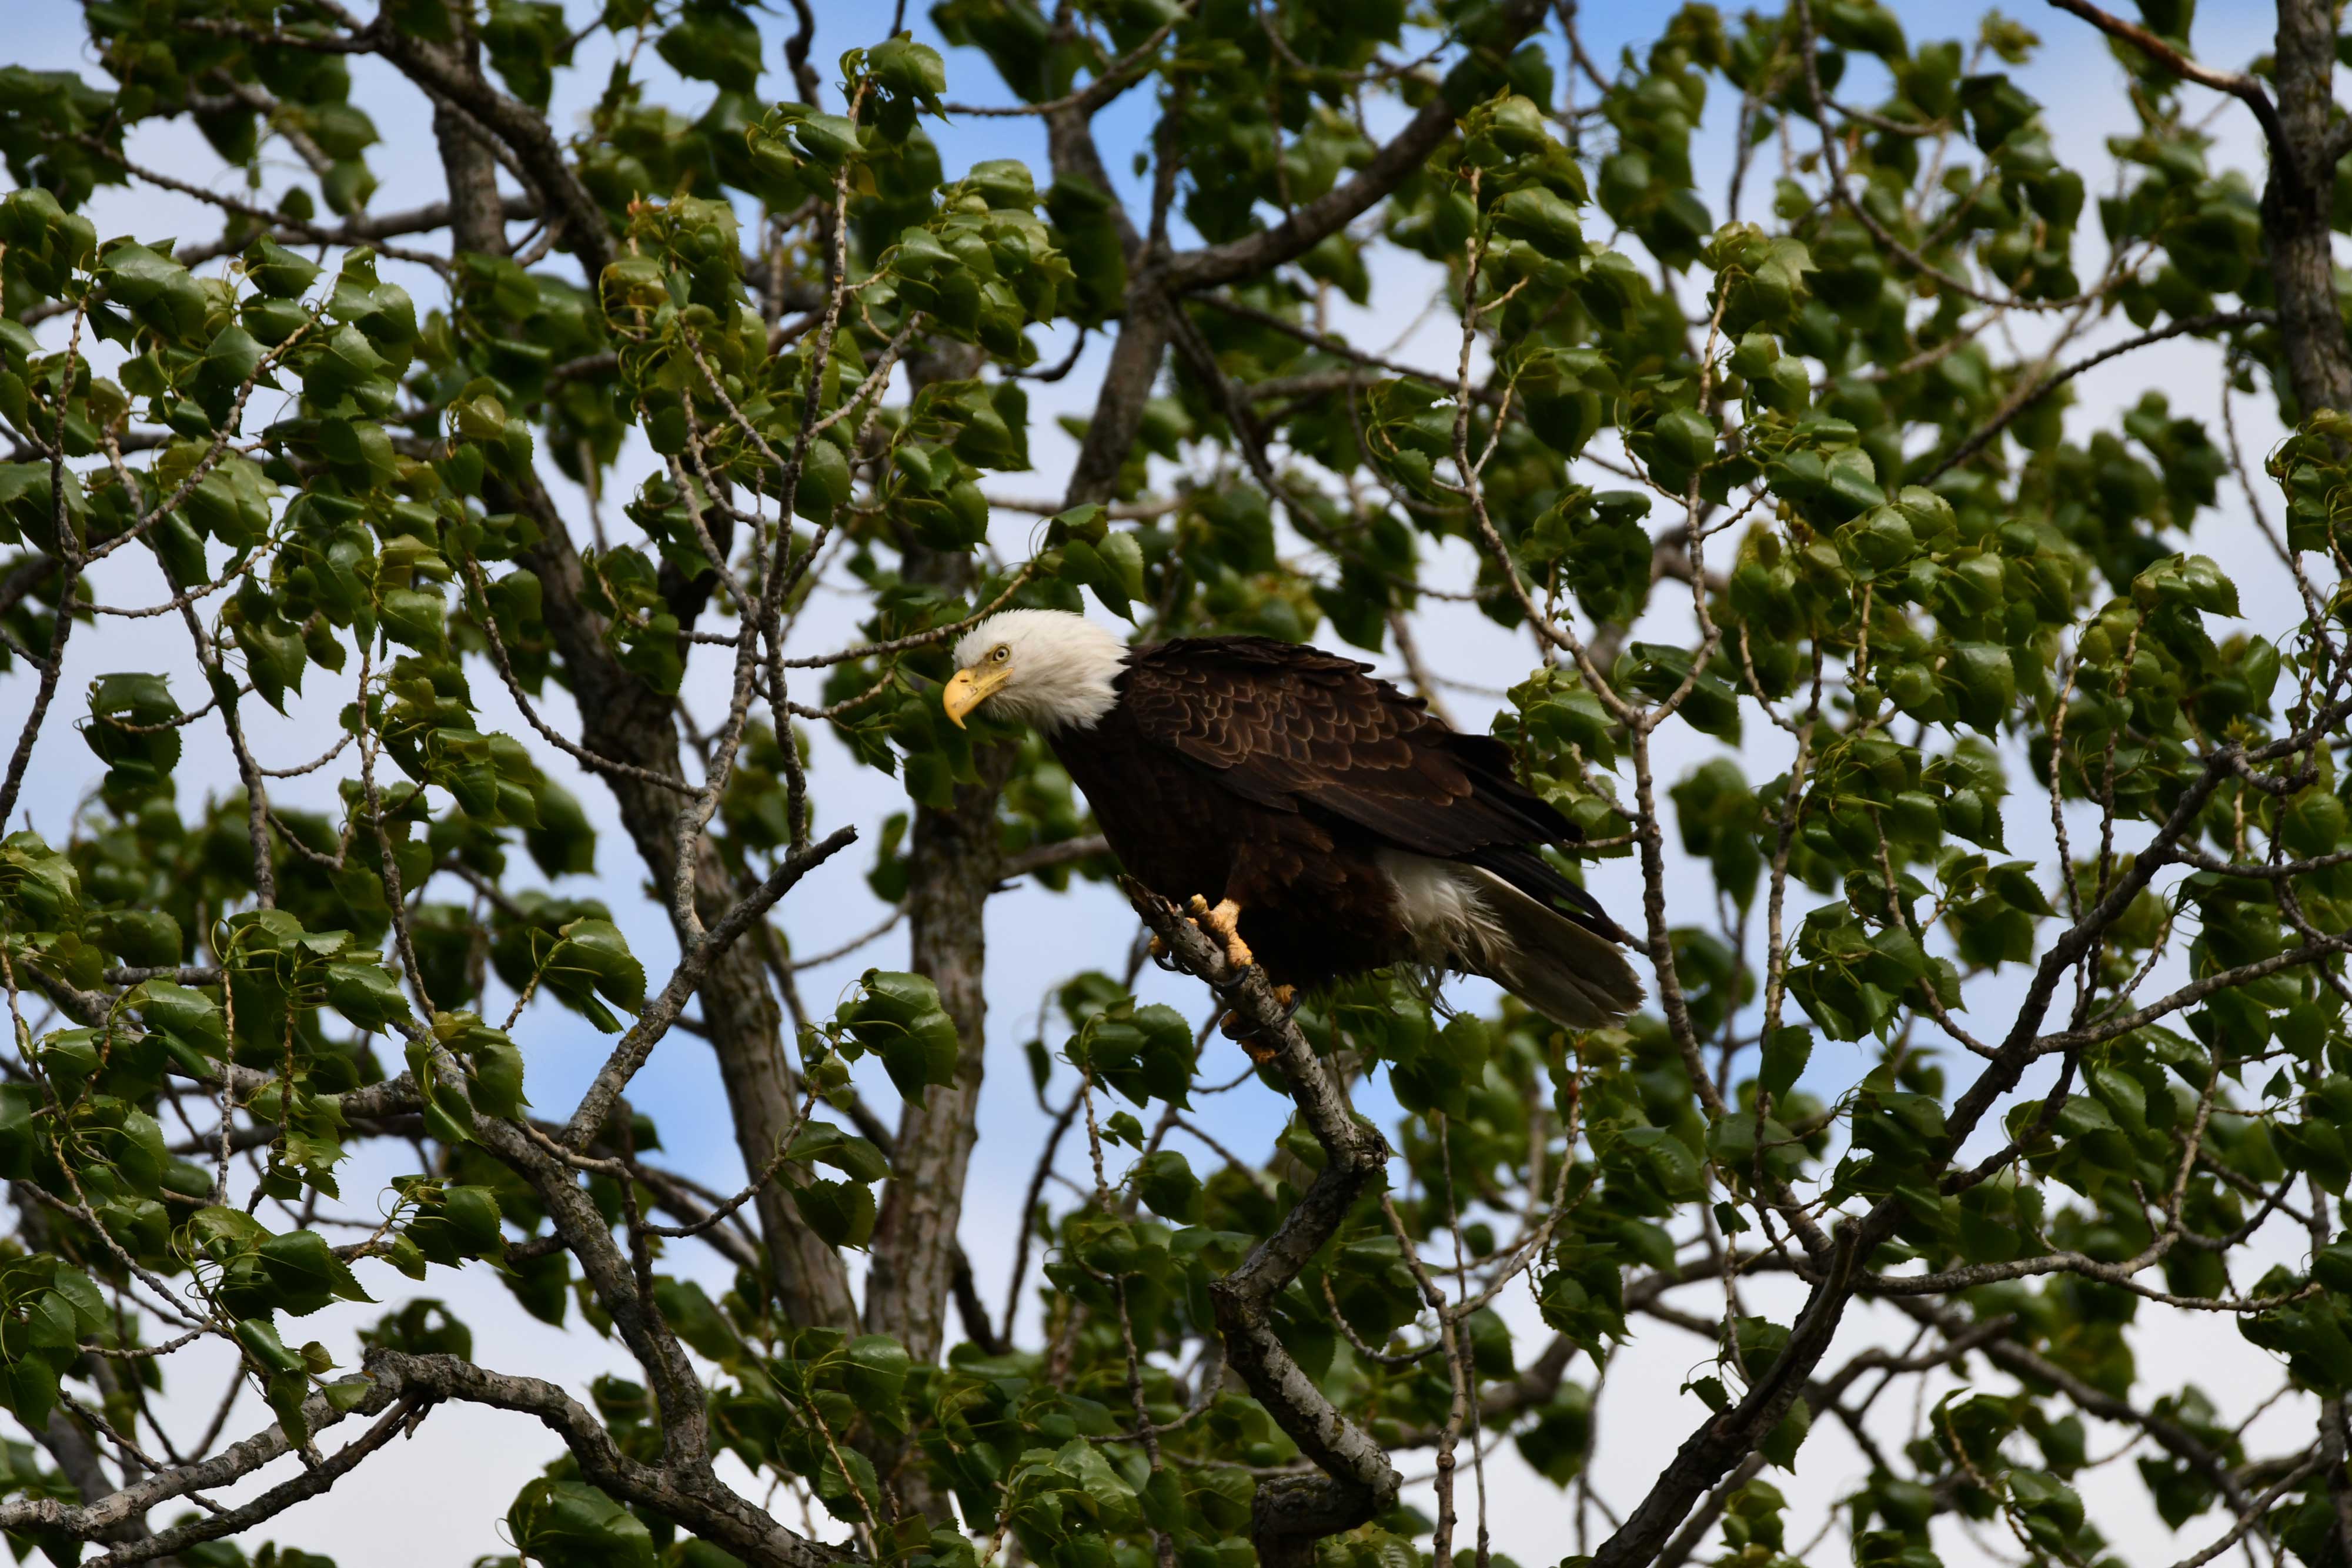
[{"x": 967, "y": 689}]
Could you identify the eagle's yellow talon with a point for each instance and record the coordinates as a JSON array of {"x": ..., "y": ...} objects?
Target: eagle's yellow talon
[
  {"x": 1233, "y": 1027},
  {"x": 1225, "y": 920}
]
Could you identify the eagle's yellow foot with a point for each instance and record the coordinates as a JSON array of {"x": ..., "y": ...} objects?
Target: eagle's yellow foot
[
  {"x": 1233, "y": 1027},
  {"x": 1225, "y": 921},
  {"x": 1288, "y": 996}
]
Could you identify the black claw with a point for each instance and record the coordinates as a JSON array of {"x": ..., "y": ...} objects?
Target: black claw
[{"x": 1247, "y": 1031}]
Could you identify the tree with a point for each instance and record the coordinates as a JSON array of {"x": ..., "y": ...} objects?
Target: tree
[{"x": 1779, "y": 486}]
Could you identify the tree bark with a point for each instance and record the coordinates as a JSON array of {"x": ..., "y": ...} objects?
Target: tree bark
[
  {"x": 953, "y": 860},
  {"x": 952, "y": 865},
  {"x": 565, "y": 203},
  {"x": 1353, "y": 1481},
  {"x": 1133, "y": 372},
  {"x": 477, "y": 213},
  {"x": 622, "y": 718},
  {"x": 2295, "y": 206}
]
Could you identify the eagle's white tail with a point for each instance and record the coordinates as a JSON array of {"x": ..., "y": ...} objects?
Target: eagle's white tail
[{"x": 1466, "y": 918}]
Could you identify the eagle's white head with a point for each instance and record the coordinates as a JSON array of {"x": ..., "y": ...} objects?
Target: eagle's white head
[{"x": 1042, "y": 667}]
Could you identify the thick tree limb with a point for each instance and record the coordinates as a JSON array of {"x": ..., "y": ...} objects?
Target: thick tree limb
[
  {"x": 2297, "y": 203},
  {"x": 622, "y": 717},
  {"x": 697, "y": 962},
  {"x": 523, "y": 130},
  {"x": 477, "y": 217},
  {"x": 1358, "y": 1481},
  {"x": 2237, "y": 84},
  {"x": 1723, "y": 1441},
  {"x": 953, "y": 865},
  {"x": 93, "y": 1520},
  {"x": 699, "y": 1502},
  {"x": 1312, "y": 222},
  {"x": 2025, "y": 398},
  {"x": 677, "y": 1388},
  {"x": 309, "y": 1484},
  {"x": 2306, "y": 136}
]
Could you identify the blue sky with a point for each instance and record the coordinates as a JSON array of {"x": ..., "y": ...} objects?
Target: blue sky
[{"x": 475, "y": 1461}]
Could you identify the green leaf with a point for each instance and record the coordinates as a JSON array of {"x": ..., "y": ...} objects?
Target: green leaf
[
  {"x": 31, "y": 1390},
  {"x": 822, "y": 1143},
  {"x": 80, "y": 1293},
  {"x": 413, "y": 616},
  {"x": 1786, "y": 1051},
  {"x": 689, "y": 1311},
  {"x": 1982, "y": 682},
  {"x": 830, "y": 139},
  {"x": 461, "y": 1222},
  {"x": 1544, "y": 220},
  {"x": 1165, "y": 1182},
  {"x": 1107, "y": 1496},
  {"x": 231, "y": 366},
  {"x": 1686, "y": 437},
  {"x": 570, "y": 1522},
  {"x": 1781, "y": 1443},
  {"x": 274, "y": 658},
  {"x": 277, "y": 272},
  {"x": 306, "y": 1273},
  {"x": 496, "y": 1081},
  {"x": 876, "y": 1375},
  {"x": 160, "y": 292},
  {"x": 1114, "y": 569},
  {"x": 842, "y": 1213},
  {"x": 593, "y": 959},
  {"x": 259, "y": 1338},
  {"x": 903, "y": 67},
  {"x": 367, "y": 994},
  {"x": 187, "y": 1016},
  {"x": 898, "y": 1017},
  {"x": 382, "y": 312}
]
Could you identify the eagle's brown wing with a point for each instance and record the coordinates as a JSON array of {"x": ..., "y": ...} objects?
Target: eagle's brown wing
[{"x": 1297, "y": 728}]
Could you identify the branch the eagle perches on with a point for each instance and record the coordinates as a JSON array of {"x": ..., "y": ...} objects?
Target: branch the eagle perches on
[{"x": 1358, "y": 1482}]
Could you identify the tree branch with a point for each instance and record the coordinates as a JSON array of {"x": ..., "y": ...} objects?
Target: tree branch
[
  {"x": 1357, "y": 1481},
  {"x": 1308, "y": 225},
  {"x": 699, "y": 1502},
  {"x": 2237, "y": 84}
]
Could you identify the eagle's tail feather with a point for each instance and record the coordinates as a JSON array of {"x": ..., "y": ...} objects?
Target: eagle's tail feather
[
  {"x": 1559, "y": 967},
  {"x": 1485, "y": 922}
]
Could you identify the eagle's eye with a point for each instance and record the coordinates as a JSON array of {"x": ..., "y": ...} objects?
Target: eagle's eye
[{"x": 999, "y": 653}]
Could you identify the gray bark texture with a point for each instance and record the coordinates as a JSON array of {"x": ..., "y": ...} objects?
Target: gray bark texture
[
  {"x": 477, "y": 214},
  {"x": 622, "y": 718},
  {"x": 2295, "y": 204}
]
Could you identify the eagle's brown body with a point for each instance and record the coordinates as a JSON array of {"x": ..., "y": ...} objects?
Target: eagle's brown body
[{"x": 1314, "y": 796}]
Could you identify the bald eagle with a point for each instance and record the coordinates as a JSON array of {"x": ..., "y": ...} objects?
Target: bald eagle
[{"x": 1324, "y": 822}]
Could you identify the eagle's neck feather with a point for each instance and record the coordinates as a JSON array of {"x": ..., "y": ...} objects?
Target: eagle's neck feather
[
  {"x": 1064, "y": 669},
  {"x": 1078, "y": 689}
]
